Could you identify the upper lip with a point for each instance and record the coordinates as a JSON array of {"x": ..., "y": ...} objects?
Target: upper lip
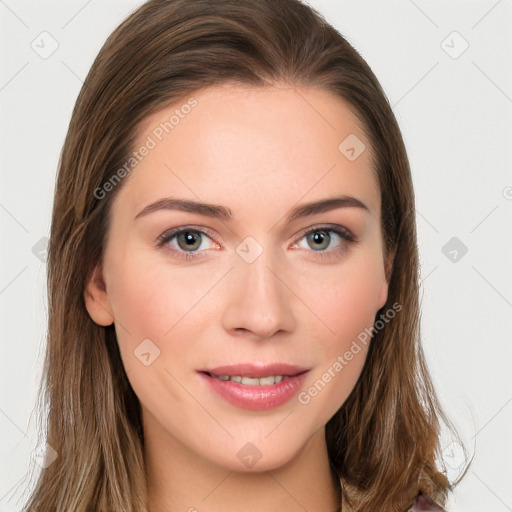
[{"x": 256, "y": 370}]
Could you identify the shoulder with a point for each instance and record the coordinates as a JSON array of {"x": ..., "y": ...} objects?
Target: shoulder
[{"x": 423, "y": 503}]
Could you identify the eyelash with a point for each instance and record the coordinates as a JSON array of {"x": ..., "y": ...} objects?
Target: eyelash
[{"x": 342, "y": 232}]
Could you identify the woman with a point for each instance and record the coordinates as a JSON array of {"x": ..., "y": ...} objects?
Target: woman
[{"x": 233, "y": 277}]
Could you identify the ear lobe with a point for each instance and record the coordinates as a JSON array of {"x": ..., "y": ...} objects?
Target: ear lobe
[{"x": 96, "y": 299}]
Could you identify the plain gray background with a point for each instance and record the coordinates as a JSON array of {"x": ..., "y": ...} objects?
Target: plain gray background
[{"x": 446, "y": 68}]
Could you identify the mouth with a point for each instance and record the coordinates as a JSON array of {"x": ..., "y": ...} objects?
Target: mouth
[
  {"x": 251, "y": 381},
  {"x": 255, "y": 386},
  {"x": 250, "y": 373}
]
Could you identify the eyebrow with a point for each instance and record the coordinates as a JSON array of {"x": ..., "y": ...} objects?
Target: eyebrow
[{"x": 225, "y": 214}]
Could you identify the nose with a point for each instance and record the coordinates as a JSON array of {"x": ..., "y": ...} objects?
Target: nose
[{"x": 259, "y": 300}]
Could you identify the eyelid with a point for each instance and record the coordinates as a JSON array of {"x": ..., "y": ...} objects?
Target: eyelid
[
  {"x": 344, "y": 233},
  {"x": 337, "y": 228},
  {"x": 172, "y": 232}
]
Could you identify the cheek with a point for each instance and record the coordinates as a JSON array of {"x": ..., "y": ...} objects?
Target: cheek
[
  {"x": 148, "y": 300},
  {"x": 346, "y": 300},
  {"x": 152, "y": 301},
  {"x": 150, "y": 304},
  {"x": 346, "y": 303}
]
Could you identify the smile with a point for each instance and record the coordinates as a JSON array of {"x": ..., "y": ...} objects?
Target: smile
[{"x": 254, "y": 393}]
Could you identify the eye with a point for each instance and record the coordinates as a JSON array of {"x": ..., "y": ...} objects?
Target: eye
[
  {"x": 185, "y": 242},
  {"x": 319, "y": 238},
  {"x": 189, "y": 243}
]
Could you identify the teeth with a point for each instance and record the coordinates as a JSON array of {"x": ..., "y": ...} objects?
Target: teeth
[{"x": 248, "y": 381}]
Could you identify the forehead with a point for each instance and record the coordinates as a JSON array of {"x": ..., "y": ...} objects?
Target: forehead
[{"x": 234, "y": 143}]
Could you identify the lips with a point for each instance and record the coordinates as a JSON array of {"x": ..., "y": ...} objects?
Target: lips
[
  {"x": 240, "y": 385},
  {"x": 256, "y": 370}
]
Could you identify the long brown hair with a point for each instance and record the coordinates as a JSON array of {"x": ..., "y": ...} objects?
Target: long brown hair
[{"x": 384, "y": 440}]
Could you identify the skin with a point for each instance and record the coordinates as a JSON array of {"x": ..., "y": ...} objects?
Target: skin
[{"x": 259, "y": 152}]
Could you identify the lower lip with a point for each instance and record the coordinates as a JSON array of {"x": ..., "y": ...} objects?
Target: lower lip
[{"x": 255, "y": 398}]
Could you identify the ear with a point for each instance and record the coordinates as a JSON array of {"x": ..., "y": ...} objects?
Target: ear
[
  {"x": 388, "y": 268},
  {"x": 389, "y": 264},
  {"x": 96, "y": 298}
]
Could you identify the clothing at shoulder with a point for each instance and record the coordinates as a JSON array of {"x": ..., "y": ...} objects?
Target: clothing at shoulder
[{"x": 423, "y": 503}]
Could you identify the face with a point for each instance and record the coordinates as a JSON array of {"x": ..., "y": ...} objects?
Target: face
[{"x": 254, "y": 279}]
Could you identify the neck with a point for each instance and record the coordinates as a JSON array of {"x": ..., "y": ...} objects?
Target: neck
[{"x": 182, "y": 480}]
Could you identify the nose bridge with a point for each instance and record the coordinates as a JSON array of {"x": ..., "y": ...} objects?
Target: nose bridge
[
  {"x": 262, "y": 276},
  {"x": 259, "y": 301}
]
